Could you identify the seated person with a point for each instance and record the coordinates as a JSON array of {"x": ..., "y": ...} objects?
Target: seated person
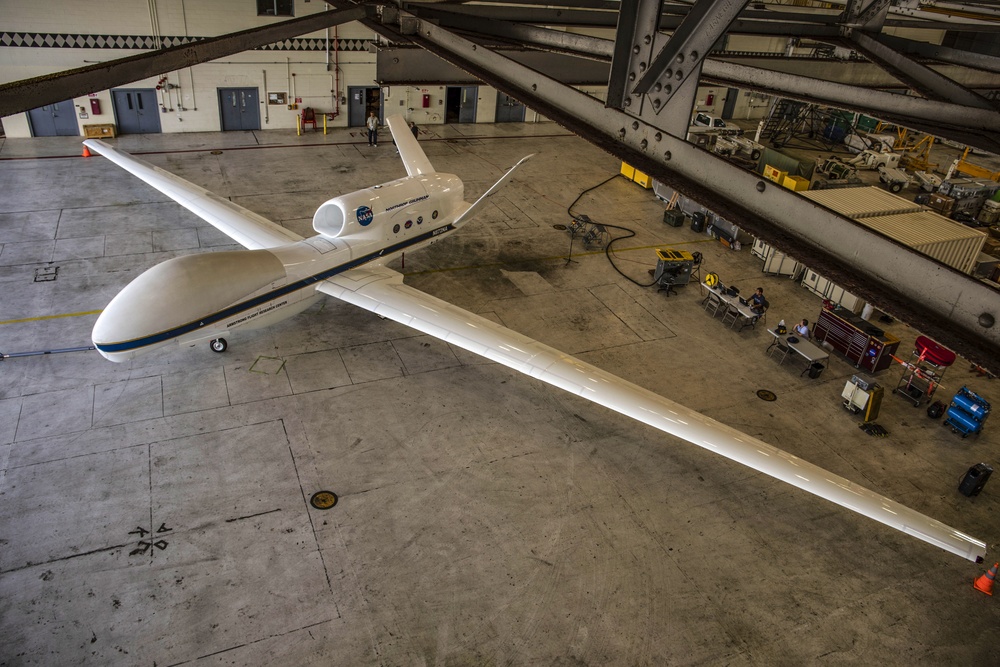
[
  {"x": 802, "y": 328},
  {"x": 757, "y": 301}
]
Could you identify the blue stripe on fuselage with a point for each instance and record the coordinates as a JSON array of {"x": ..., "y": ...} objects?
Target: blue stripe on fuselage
[{"x": 177, "y": 332}]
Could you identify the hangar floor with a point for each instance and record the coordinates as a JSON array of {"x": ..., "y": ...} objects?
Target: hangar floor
[{"x": 157, "y": 512}]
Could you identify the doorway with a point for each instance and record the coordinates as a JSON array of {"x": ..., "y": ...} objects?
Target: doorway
[
  {"x": 239, "y": 109},
  {"x": 362, "y": 100},
  {"x": 54, "y": 120},
  {"x": 732, "y": 94},
  {"x": 509, "y": 110},
  {"x": 136, "y": 110},
  {"x": 460, "y": 104}
]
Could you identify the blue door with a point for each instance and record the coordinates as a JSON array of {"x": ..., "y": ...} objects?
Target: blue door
[
  {"x": 136, "y": 110},
  {"x": 509, "y": 110},
  {"x": 239, "y": 109},
  {"x": 54, "y": 120}
]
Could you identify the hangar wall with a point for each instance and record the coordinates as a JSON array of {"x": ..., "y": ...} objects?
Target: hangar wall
[{"x": 41, "y": 38}]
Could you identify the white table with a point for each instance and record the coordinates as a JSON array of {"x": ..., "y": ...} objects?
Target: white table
[
  {"x": 743, "y": 314},
  {"x": 803, "y": 347}
]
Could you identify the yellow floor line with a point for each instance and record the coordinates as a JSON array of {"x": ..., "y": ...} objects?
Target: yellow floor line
[{"x": 50, "y": 317}]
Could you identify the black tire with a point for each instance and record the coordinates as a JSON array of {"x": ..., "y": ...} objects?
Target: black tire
[
  {"x": 219, "y": 345},
  {"x": 755, "y": 154},
  {"x": 895, "y": 187}
]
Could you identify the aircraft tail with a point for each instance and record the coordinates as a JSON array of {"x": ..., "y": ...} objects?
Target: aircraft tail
[
  {"x": 412, "y": 154},
  {"x": 479, "y": 203}
]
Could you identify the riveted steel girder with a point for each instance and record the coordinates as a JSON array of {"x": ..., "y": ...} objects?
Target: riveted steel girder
[
  {"x": 938, "y": 300},
  {"x": 683, "y": 53},
  {"x": 27, "y": 94},
  {"x": 634, "y": 42},
  {"x": 942, "y": 54},
  {"x": 920, "y": 77}
]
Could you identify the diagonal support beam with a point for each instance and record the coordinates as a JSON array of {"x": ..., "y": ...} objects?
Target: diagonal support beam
[
  {"x": 635, "y": 39},
  {"x": 870, "y": 18},
  {"x": 920, "y": 77},
  {"x": 27, "y": 94},
  {"x": 681, "y": 58},
  {"x": 950, "y": 306},
  {"x": 944, "y": 54}
]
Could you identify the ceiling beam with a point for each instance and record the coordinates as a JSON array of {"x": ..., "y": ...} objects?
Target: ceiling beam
[{"x": 921, "y": 78}]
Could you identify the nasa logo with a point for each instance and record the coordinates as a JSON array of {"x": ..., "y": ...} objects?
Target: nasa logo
[{"x": 365, "y": 216}]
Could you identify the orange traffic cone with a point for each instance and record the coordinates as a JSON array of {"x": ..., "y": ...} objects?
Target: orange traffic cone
[
  {"x": 86, "y": 152},
  {"x": 985, "y": 582}
]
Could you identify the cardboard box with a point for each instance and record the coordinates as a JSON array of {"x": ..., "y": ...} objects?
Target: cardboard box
[{"x": 99, "y": 131}]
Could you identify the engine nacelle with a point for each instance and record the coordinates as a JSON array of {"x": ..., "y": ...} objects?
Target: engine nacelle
[{"x": 370, "y": 212}]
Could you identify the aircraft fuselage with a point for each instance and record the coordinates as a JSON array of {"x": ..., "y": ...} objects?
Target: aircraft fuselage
[{"x": 206, "y": 296}]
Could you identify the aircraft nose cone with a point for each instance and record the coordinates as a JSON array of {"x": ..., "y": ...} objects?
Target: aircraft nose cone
[{"x": 179, "y": 296}]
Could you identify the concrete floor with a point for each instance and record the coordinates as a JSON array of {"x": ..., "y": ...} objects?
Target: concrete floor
[{"x": 483, "y": 518}]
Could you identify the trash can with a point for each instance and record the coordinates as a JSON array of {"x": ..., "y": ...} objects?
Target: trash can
[
  {"x": 975, "y": 479},
  {"x": 697, "y": 222},
  {"x": 815, "y": 369}
]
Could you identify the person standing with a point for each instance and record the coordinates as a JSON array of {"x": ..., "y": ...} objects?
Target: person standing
[
  {"x": 414, "y": 129},
  {"x": 372, "y": 123}
]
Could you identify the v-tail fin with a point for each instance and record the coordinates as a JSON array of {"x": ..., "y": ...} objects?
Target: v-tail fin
[
  {"x": 479, "y": 203},
  {"x": 412, "y": 154}
]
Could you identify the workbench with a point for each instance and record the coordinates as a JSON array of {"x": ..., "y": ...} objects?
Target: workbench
[{"x": 803, "y": 347}]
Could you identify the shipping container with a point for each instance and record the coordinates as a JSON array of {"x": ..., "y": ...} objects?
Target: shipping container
[
  {"x": 934, "y": 235},
  {"x": 864, "y": 202}
]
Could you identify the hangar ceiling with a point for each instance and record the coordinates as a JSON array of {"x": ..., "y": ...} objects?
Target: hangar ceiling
[{"x": 651, "y": 56}]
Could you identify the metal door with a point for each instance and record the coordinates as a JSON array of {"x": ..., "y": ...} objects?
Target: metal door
[
  {"x": 361, "y": 101},
  {"x": 54, "y": 120},
  {"x": 460, "y": 104},
  {"x": 136, "y": 110},
  {"x": 509, "y": 110},
  {"x": 239, "y": 109},
  {"x": 732, "y": 94}
]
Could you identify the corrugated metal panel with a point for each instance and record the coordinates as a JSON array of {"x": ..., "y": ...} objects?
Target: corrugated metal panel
[
  {"x": 860, "y": 203},
  {"x": 934, "y": 235}
]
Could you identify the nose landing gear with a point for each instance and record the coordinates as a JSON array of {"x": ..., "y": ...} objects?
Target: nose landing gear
[{"x": 219, "y": 345}]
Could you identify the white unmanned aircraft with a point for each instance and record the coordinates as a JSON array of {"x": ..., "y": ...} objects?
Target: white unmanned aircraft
[{"x": 204, "y": 297}]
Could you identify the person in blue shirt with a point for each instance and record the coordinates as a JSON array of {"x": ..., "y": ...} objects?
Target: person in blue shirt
[
  {"x": 757, "y": 301},
  {"x": 802, "y": 328}
]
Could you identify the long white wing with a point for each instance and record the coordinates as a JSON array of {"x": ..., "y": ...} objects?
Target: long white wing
[
  {"x": 243, "y": 226},
  {"x": 382, "y": 291}
]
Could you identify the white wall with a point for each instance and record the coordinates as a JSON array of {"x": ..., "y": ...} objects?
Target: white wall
[{"x": 303, "y": 74}]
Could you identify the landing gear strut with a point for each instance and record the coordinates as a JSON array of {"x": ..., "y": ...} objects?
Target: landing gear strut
[{"x": 219, "y": 345}]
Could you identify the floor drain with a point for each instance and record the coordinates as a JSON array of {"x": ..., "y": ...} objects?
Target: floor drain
[
  {"x": 766, "y": 395},
  {"x": 46, "y": 274},
  {"x": 323, "y": 500},
  {"x": 215, "y": 152},
  {"x": 561, "y": 228}
]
